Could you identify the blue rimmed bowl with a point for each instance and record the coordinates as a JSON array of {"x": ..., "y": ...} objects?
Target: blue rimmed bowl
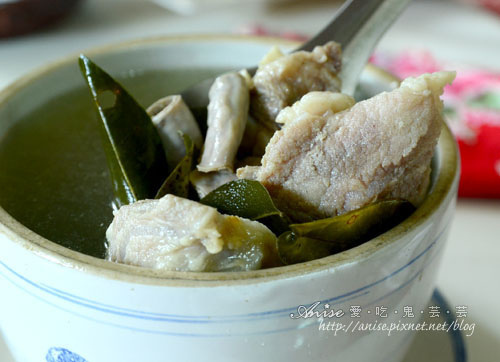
[{"x": 59, "y": 303}]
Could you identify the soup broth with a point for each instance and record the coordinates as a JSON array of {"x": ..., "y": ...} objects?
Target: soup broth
[{"x": 53, "y": 173}]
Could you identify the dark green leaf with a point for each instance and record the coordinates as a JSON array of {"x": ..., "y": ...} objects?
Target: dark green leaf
[
  {"x": 177, "y": 183},
  {"x": 133, "y": 147},
  {"x": 324, "y": 237},
  {"x": 244, "y": 198},
  {"x": 294, "y": 249},
  {"x": 278, "y": 224}
]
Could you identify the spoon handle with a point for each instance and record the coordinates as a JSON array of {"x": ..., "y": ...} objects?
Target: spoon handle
[{"x": 358, "y": 26}]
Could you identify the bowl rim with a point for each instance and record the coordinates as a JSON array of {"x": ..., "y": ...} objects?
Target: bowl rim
[{"x": 19, "y": 234}]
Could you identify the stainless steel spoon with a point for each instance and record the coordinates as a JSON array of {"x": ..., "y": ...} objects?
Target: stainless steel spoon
[{"x": 357, "y": 26}]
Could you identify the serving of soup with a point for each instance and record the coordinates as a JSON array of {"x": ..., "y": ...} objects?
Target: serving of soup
[{"x": 53, "y": 173}]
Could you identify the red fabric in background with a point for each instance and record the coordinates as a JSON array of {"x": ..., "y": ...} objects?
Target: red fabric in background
[
  {"x": 493, "y": 5},
  {"x": 481, "y": 164}
]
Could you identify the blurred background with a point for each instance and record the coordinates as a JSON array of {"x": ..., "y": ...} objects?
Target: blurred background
[{"x": 431, "y": 35}]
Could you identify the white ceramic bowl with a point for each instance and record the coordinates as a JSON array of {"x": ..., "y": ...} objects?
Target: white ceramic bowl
[{"x": 57, "y": 303}]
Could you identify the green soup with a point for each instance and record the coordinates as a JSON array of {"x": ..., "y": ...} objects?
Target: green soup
[{"x": 53, "y": 172}]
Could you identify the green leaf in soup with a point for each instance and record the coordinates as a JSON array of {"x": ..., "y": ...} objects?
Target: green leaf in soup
[
  {"x": 293, "y": 249},
  {"x": 278, "y": 224},
  {"x": 133, "y": 148},
  {"x": 244, "y": 198},
  {"x": 325, "y": 237},
  {"x": 374, "y": 218},
  {"x": 177, "y": 183}
]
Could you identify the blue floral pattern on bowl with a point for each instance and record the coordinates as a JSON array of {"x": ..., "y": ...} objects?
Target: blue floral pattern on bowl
[{"x": 57, "y": 354}]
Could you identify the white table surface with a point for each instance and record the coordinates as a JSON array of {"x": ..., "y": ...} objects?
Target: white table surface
[{"x": 451, "y": 30}]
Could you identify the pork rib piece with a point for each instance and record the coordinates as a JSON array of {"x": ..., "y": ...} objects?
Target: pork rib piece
[
  {"x": 174, "y": 233},
  {"x": 319, "y": 166},
  {"x": 282, "y": 81}
]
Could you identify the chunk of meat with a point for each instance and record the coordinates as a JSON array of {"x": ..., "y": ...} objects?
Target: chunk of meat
[
  {"x": 281, "y": 82},
  {"x": 319, "y": 166},
  {"x": 171, "y": 115},
  {"x": 174, "y": 233},
  {"x": 316, "y": 104},
  {"x": 227, "y": 116}
]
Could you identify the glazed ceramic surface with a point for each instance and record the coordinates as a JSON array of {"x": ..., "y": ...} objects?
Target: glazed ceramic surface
[{"x": 58, "y": 304}]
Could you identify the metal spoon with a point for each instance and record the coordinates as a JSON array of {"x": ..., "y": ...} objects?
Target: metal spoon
[{"x": 357, "y": 26}]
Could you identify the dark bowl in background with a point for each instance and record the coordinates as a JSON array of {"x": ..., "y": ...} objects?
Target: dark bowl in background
[{"x": 18, "y": 17}]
